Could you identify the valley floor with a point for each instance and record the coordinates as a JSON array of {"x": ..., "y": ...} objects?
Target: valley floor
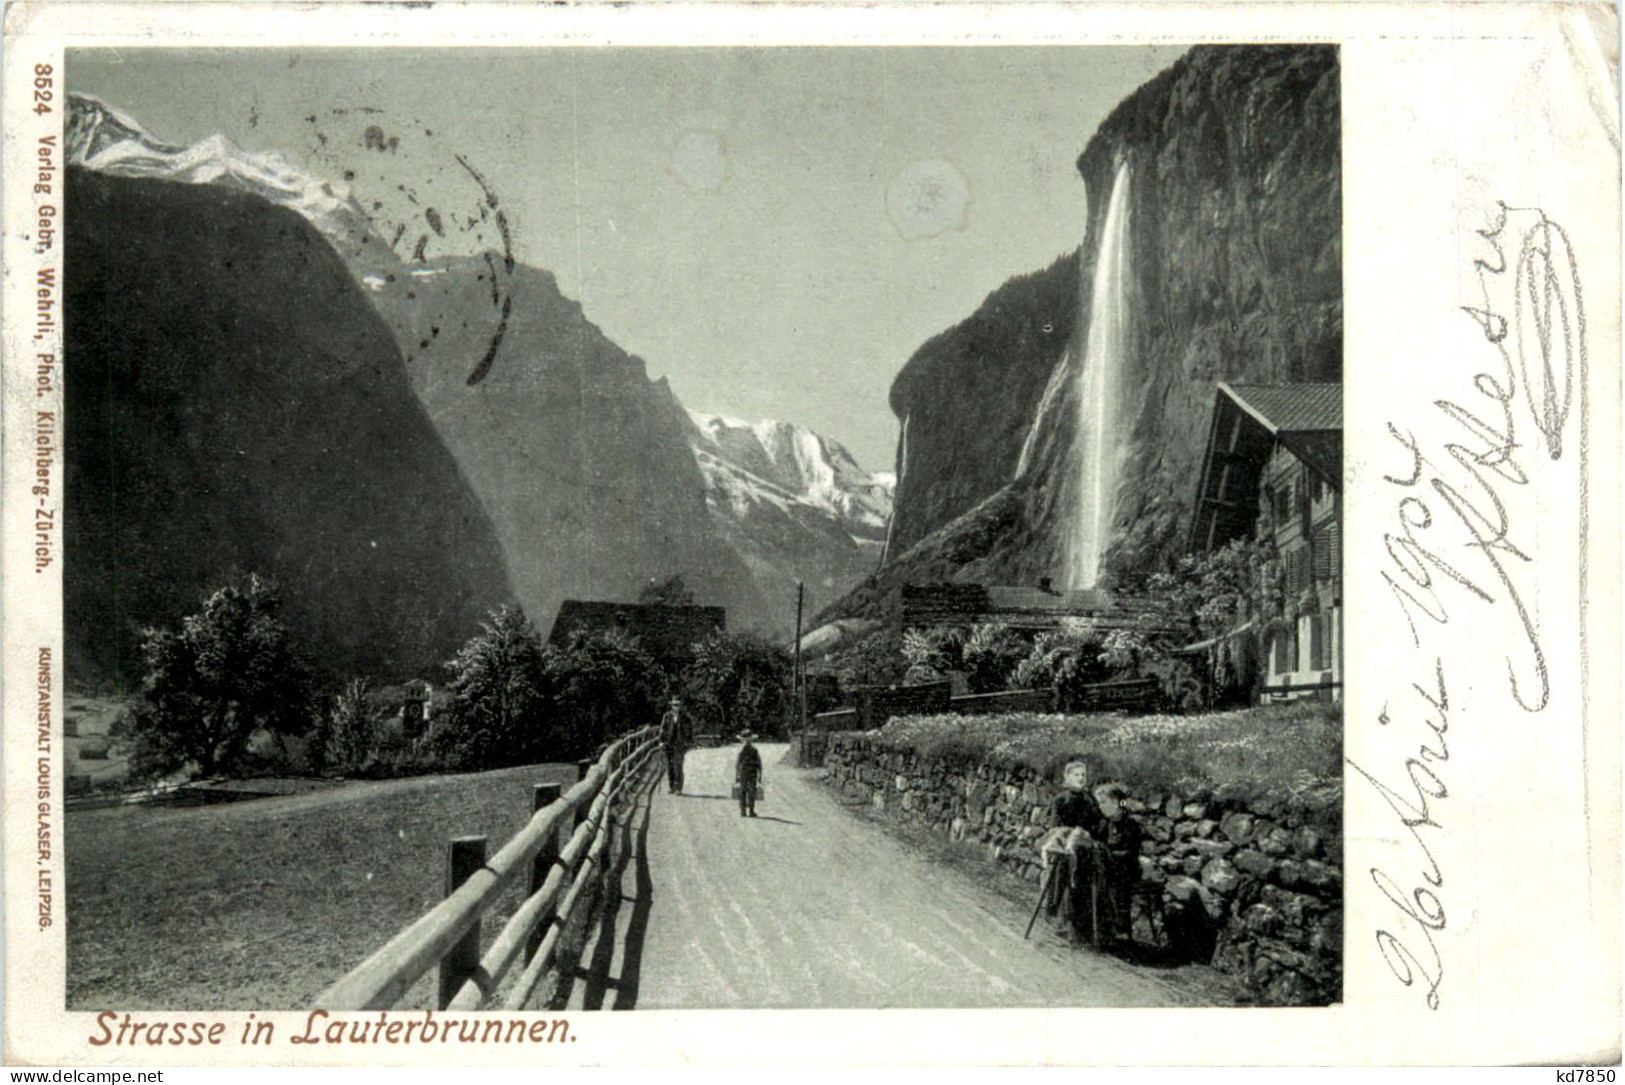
[
  {"x": 262, "y": 904},
  {"x": 811, "y": 906}
]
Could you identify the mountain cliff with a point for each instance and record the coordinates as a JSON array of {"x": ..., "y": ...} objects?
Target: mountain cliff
[
  {"x": 234, "y": 405},
  {"x": 583, "y": 462},
  {"x": 1231, "y": 270},
  {"x": 596, "y": 479}
]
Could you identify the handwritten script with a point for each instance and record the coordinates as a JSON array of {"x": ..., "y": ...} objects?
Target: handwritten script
[{"x": 1455, "y": 556}]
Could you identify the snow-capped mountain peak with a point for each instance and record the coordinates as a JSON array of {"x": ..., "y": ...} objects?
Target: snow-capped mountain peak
[
  {"x": 794, "y": 460},
  {"x": 101, "y": 138}
]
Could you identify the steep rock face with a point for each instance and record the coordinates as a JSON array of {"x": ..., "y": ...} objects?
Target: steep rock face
[
  {"x": 235, "y": 405},
  {"x": 966, "y": 399},
  {"x": 1235, "y": 274},
  {"x": 583, "y": 462},
  {"x": 795, "y": 506}
]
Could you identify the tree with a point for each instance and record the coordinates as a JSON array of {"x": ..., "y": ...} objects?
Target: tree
[
  {"x": 229, "y": 671},
  {"x": 667, "y": 593},
  {"x": 741, "y": 681},
  {"x": 352, "y": 726},
  {"x": 604, "y": 684},
  {"x": 497, "y": 713},
  {"x": 1205, "y": 595}
]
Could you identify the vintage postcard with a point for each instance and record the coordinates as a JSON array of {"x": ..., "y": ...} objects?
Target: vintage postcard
[{"x": 756, "y": 534}]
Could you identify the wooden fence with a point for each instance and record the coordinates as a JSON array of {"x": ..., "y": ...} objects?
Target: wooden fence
[{"x": 448, "y": 935}]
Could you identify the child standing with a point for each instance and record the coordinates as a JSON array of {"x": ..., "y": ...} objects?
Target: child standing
[
  {"x": 747, "y": 776},
  {"x": 1119, "y": 861}
]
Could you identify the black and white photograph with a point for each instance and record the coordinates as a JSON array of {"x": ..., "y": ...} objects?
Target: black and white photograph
[
  {"x": 901, "y": 535},
  {"x": 912, "y": 475}
]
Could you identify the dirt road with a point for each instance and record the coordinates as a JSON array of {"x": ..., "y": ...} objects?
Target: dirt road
[{"x": 808, "y": 906}]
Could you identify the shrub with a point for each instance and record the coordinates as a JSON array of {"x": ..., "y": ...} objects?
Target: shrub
[
  {"x": 229, "y": 672},
  {"x": 991, "y": 655},
  {"x": 1292, "y": 752},
  {"x": 1066, "y": 659},
  {"x": 931, "y": 654},
  {"x": 1133, "y": 652}
]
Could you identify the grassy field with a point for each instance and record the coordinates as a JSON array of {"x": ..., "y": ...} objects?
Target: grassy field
[
  {"x": 263, "y": 904},
  {"x": 1277, "y": 750}
]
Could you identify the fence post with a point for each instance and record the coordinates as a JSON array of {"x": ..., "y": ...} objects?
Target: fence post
[
  {"x": 583, "y": 767},
  {"x": 465, "y": 856},
  {"x": 544, "y": 796}
]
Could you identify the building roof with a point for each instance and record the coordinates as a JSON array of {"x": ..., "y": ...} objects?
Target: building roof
[
  {"x": 667, "y": 633},
  {"x": 1290, "y": 408},
  {"x": 1323, "y": 452},
  {"x": 1249, "y": 421}
]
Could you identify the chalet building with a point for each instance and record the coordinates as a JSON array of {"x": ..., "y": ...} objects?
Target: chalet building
[
  {"x": 92, "y": 757},
  {"x": 1273, "y": 471},
  {"x": 406, "y": 710},
  {"x": 1036, "y": 609},
  {"x": 668, "y": 633}
]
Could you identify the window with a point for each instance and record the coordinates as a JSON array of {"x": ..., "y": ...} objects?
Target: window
[
  {"x": 1283, "y": 653},
  {"x": 1283, "y": 501},
  {"x": 1314, "y": 632},
  {"x": 1297, "y": 569},
  {"x": 1324, "y": 543}
]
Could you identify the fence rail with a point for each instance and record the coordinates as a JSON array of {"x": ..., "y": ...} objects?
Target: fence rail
[{"x": 583, "y": 816}]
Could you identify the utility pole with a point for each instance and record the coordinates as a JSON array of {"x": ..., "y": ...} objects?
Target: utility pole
[{"x": 797, "y": 689}]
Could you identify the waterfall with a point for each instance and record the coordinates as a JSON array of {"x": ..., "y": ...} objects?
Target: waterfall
[
  {"x": 1041, "y": 417},
  {"x": 897, "y": 484},
  {"x": 1100, "y": 382}
]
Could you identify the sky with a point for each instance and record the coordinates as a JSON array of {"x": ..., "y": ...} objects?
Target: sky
[{"x": 775, "y": 231}]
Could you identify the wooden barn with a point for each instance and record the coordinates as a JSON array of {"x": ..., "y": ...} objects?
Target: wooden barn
[
  {"x": 668, "y": 633},
  {"x": 1273, "y": 471}
]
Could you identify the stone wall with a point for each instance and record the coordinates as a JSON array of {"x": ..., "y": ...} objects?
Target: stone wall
[{"x": 1253, "y": 886}]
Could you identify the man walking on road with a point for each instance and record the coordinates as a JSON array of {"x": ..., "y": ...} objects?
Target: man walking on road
[
  {"x": 674, "y": 740},
  {"x": 747, "y": 776}
]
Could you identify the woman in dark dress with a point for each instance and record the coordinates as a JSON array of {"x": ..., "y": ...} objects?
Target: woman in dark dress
[{"x": 1072, "y": 841}]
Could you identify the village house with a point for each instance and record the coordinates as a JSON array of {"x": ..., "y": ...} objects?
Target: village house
[
  {"x": 1273, "y": 472},
  {"x": 93, "y": 758}
]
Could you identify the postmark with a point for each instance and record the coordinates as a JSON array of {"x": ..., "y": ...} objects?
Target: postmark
[{"x": 1478, "y": 460}]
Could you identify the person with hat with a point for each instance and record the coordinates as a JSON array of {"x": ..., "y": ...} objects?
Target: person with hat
[
  {"x": 675, "y": 737},
  {"x": 1117, "y": 862},
  {"x": 747, "y": 775}
]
